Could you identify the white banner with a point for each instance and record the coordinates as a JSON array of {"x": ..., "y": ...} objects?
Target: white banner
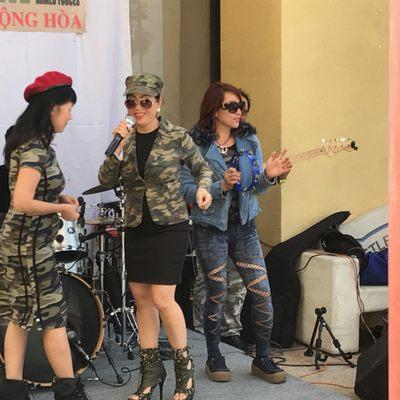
[{"x": 98, "y": 62}]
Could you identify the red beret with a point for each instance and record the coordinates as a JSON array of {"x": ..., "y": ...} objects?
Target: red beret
[{"x": 47, "y": 81}]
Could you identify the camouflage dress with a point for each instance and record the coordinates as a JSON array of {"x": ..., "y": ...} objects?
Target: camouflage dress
[{"x": 30, "y": 288}]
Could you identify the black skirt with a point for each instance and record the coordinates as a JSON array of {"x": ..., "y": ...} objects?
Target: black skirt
[{"x": 156, "y": 256}]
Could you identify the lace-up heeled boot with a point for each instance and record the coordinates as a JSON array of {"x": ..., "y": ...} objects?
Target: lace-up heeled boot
[
  {"x": 184, "y": 373},
  {"x": 152, "y": 374}
]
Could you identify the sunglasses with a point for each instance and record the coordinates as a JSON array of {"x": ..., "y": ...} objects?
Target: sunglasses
[
  {"x": 144, "y": 103},
  {"x": 233, "y": 106}
]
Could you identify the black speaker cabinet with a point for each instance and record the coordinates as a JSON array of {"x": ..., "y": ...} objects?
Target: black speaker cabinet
[
  {"x": 184, "y": 290},
  {"x": 372, "y": 372}
]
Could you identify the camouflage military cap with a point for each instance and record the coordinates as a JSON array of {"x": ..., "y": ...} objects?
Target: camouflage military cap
[{"x": 143, "y": 83}]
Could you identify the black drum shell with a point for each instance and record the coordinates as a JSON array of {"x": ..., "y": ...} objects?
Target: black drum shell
[{"x": 85, "y": 316}]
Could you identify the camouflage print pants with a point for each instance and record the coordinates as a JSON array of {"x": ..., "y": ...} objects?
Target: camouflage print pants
[
  {"x": 31, "y": 295},
  {"x": 236, "y": 293}
]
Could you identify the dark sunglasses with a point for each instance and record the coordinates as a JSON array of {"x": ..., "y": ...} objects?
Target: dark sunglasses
[
  {"x": 144, "y": 103},
  {"x": 233, "y": 106}
]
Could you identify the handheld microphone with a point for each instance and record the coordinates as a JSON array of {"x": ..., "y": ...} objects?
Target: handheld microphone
[{"x": 130, "y": 121}]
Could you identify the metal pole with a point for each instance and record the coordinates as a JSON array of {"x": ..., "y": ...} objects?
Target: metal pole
[{"x": 123, "y": 271}]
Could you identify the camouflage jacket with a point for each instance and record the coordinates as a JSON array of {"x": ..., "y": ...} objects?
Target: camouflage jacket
[{"x": 172, "y": 148}]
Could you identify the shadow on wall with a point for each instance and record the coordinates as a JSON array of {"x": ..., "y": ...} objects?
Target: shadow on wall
[{"x": 141, "y": 37}]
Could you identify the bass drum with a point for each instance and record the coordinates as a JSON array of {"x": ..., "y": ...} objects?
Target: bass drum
[{"x": 85, "y": 317}]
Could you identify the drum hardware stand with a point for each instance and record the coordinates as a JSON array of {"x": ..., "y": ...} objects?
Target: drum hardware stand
[
  {"x": 102, "y": 259},
  {"x": 110, "y": 311},
  {"x": 320, "y": 323},
  {"x": 127, "y": 313}
]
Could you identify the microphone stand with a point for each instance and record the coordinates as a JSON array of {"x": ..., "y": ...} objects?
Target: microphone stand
[{"x": 76, "y": 344}]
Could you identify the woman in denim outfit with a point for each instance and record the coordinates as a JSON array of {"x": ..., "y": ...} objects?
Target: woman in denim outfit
[{"x": 227, "y": 228}]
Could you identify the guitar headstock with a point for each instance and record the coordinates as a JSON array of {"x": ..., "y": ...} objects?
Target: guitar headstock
[{"x": 332, "y": 146}]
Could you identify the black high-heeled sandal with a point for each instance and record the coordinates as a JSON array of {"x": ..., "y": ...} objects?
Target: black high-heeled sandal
[
  {"x": 184, "y": 372},
  {"x": 152, "y": 374}
]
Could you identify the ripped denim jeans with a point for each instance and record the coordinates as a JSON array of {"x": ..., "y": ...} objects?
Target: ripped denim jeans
[{"x": 241, "y": 244}]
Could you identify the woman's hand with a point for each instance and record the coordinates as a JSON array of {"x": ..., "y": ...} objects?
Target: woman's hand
[
  {"x": 203, "y": 198},
  {"x": 231, "y": 178},
  {"x": 69, "y": 212},
  {"x": 66, "y": 199},
  {"x": 277, "y": 165},
  {"x": 123, "y": 130}
]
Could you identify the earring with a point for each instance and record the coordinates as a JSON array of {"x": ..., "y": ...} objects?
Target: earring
[{"x": 158, "y": 113}]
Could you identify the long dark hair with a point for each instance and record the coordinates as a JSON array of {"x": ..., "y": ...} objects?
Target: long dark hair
[
  {"x": 247, "y": 97},
  {"x": 212, "y": 102},
  {"x": 35, "y": 121}
]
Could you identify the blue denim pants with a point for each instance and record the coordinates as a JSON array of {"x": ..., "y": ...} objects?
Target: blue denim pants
[{"x": 241, "y": 244}]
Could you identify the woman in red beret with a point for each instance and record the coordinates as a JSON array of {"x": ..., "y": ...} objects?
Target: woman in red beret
[{"x": 30, "y": 289}]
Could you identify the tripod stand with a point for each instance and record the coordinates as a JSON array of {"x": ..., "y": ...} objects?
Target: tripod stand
[{"x": 320, "y": 324}]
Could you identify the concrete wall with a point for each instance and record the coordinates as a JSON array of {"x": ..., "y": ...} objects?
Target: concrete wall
[
  {"x": 171, "y": 39},
  {"x": 195, "y": 57},
  {"x": 147, "y": 36},
  {"x": 251, "y": 59},
  {"x": 315, "y": 69}
]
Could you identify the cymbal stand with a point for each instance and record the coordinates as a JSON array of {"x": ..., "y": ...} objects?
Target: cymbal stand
[
  {"x": 127, "y": 313},
  {"x": 102, "y": 259}
]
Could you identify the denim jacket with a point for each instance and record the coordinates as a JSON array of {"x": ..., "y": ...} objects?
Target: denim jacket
[{"x": 217, "y": 214}]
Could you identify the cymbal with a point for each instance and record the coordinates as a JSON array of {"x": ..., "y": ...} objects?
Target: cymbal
[
  {"x": 98, "y": 189},
  {"x": 99, "y": 221}
]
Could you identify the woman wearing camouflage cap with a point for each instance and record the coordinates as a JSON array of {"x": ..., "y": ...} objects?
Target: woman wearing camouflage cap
[
  {"x": 227, "y": 228},
  {"x": 157, "y": 226},
  {"x": 31, "y": 293}
]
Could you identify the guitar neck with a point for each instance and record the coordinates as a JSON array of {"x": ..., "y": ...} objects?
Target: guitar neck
[{"x": 306, "y": 155}]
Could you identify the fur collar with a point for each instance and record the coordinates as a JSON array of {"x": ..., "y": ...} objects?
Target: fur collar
[{"x": 205, "y": 137}]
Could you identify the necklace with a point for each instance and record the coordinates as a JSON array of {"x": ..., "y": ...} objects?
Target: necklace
[{"x": 222, "y": 148}]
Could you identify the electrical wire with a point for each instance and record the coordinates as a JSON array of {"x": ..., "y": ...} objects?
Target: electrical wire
[{"x": 124, "y": 370}]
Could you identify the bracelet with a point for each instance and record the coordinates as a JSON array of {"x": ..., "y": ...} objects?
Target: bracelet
[{"x": 281, "y": 180}]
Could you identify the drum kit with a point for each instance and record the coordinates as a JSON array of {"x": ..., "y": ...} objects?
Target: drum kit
[{"x": 95, "y": 294}]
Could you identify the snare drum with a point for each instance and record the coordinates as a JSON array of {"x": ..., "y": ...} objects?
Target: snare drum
[{"x": 67, "y": 245}]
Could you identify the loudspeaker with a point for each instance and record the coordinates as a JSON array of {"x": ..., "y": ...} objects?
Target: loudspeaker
[{"x": 372, "y": 371}]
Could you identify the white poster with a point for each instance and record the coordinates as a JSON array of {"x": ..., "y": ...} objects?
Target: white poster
[{"x": 98, "y": 62}]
